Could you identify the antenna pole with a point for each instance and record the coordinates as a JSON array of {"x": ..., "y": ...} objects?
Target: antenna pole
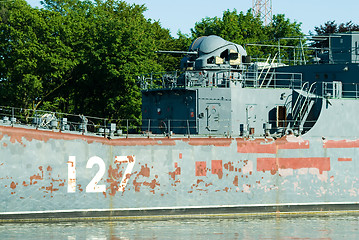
[{"x": 263, "y": 10}]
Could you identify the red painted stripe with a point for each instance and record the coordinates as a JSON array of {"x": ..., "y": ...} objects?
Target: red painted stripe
[
  {"x": 256, "y": 146},
  {"x": 274, "y": 164},
  {"x": 341, "y": 144},
  {"x": 17, "y": 134},
  {"x": 293, "y": 145},
  {"x": 268, "y": 146},
  {"x": 218, "y": 142},
  {"x": 344, "y": 159}
]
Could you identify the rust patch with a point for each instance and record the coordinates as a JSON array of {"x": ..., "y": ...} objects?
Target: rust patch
[
  {"x": 114, "y": 175},
  {"x": 217, "y": 168},
  {"x": 152, "y": 184},
  {"x": 16, "y": 138},
  {"x": 274, "y": 164},
  {"x": 56, "y": 180},
  {"x": 177, "y": 171},
  {"x": 137, "y": 185},
  {"x": 5, "y": 144},
  {"x": 51, "y": 188},
  {"x": 80, "y": 188},
  {"x": 34, "y": 178},
  {"x": 130, "y": 159},
  {"x": 49, "y": 169},
  {"x": 201, "y": 168},
  {"x": 180, "y": 156},
  {"x": 344, "y": 159},
  {"x": 229, "y": 166},
  {"x": 145, "y": 171},
  {"x": 235, "y": 181},
  {"x": 13, "y": 185}
]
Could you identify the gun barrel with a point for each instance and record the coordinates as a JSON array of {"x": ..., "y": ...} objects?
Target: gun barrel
[{"x": 178, "y": 52}]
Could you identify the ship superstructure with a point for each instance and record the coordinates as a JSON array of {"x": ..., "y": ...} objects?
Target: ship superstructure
[{"x": 220, "y": 92}]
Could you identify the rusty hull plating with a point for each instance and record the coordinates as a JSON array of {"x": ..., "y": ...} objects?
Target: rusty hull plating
[{"x": 47, "y": 175}]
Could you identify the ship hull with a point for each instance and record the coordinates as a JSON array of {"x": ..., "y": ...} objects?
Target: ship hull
[{"x": 56, "y": 175}]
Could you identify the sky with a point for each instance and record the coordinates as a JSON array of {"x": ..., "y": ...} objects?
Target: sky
[{"x": 182, "y": 15}]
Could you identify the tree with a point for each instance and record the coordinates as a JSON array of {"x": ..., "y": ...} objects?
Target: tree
[
  {"x": 80, "y": 57},
  {"x": 34, "y": 60},
  {"x": 332, "y": 27},
  {"x": 233, "y": 26},
  {"x": 285, "y": 33}
]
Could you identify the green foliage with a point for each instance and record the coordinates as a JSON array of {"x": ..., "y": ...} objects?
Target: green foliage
[
  {"x": 333, "y": 27},
  {"x": 235, "y": 27},
  {"x": 79, "y": 56}
]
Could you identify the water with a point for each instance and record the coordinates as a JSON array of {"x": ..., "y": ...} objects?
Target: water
[{"x": 286, "y": 228}]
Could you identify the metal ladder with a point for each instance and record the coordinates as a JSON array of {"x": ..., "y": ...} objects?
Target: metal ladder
[{"x": 302, "y": 107}]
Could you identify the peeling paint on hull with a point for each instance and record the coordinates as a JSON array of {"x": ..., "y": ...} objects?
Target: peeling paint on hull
[{"x": 45, "y": 174}]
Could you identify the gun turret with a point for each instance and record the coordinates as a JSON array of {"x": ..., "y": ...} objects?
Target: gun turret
[{"x": 213, "y": 52}]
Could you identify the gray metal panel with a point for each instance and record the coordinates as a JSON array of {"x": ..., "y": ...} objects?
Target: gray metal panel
[
  {"x": 251, "y": 107},
  {"x": 164, "y": 111},
  {"x": 214, "y": 110}
]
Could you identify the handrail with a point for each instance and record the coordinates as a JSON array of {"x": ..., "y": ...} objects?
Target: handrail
[
  {"x": 267, "y": 61},
  {"x": 296, "y": 102},
  {"x": 270, "y": 66},
  {"x": 217, "y": 78},
  {"x": 304, "y": 105},
  {"x": 116, "y": 127}
]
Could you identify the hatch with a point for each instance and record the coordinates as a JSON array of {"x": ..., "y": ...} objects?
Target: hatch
[{"x": 212, "y": 112}]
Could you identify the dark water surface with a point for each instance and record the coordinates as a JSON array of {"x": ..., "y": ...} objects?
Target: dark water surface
[{"x": 306, "y": 227}]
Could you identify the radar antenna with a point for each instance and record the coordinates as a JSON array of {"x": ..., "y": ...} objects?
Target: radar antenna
[{"x": 263, "y": 10}]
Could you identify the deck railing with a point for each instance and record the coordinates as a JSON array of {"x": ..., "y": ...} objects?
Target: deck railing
[
  {"x": 221, "y": 79},
  {"x": 338, "y": 89},
  {"x": 81, "y": 124}
]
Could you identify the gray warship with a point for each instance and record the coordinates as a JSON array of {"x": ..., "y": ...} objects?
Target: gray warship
[{"x": 226, "y": 136}]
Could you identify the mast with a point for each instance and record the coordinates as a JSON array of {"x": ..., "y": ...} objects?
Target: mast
[{"x": 263, "y": 10}]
